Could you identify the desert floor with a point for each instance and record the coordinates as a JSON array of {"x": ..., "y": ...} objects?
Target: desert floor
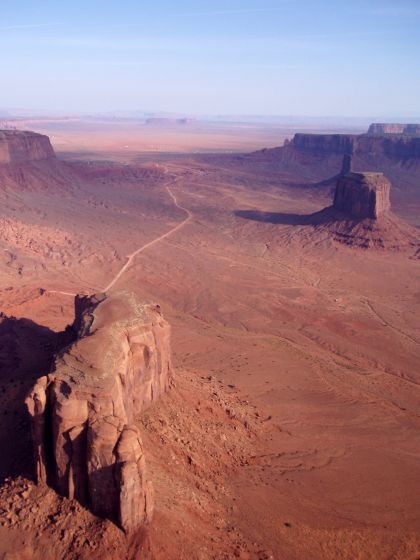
[{"x": 292, "y": 429}]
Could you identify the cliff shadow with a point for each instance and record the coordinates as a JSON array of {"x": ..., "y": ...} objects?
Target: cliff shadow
[
  {"x": 26, "y": 353},
  {"x": 323, "y": 216}
]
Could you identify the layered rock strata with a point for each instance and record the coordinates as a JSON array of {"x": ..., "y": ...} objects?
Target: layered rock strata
[
  {"x": 18, "y": 146},
  {"x": 86, "y": 443}
]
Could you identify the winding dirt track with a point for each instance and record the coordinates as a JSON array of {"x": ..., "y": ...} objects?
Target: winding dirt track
[
  {"x": 132, "y": 256},
  {"x": 153, "y": 242}
]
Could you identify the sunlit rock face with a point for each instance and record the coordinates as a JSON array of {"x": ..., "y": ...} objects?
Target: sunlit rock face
[{"x": 86, "y": 443}]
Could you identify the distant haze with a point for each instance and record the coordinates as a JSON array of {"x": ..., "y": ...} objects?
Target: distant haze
[{"x": 238, "y": 57}]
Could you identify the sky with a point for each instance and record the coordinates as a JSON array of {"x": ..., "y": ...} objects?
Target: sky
[{"x": 351, "y": 58}]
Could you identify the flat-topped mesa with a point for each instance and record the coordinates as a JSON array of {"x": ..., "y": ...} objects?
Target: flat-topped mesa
[
  {"x": 86, "y": 443},
  {"x": 378, "y": 129},
  {"x": 315, "y": 148},
  {"x": 323, "y": 143},
  {"x": 18, "y": 146},
  {"x": 362, "y": 195}
]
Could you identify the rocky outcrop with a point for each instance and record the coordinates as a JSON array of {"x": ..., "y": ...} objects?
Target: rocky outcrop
[
  {"x": 362, "y": 195},
  {"x": 23, "y": 146},
  {"x": 361, "y": 216},
  {"x": 378, "y": 129},
  {"x": 86, "y": 443}
]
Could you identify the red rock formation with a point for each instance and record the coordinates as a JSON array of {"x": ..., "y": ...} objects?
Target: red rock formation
[
  {"x": 324, "y": 145},
  {"x": 361, "y": 214},
  {"x": 24, "y": 146},
  {"x": 85, "y": 442},
  {"x": 28, "y": 163},
  {"x": 362, "y": 195}
]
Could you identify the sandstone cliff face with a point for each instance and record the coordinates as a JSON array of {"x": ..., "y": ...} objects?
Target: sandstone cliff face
[
  {"x": 399, "y": 147},
  {"x": 323, "y": 143},
  {"x": 393, "y": 128},
  {"x": 23, "y": 146},
  {"x": 362, "y": 195},
  {"x": 86, "y": 444}
]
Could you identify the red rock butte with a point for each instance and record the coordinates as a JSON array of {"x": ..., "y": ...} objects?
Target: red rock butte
[
  {"x": 86, "y": 444},
  {"x": 361, "y": 215},
  {"x": 362, "y": 195}
]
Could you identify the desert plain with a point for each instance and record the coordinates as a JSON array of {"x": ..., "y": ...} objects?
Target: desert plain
[{"x": 290, "y": 429}]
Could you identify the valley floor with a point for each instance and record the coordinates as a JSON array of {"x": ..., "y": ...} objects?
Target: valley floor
[{"x": 292, "y": 428}]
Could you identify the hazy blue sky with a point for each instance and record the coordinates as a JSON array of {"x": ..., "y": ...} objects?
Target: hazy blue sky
[{"x": 285, "y": 57}]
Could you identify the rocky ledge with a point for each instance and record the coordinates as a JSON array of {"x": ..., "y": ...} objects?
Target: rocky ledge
[
  {"x": 23, "y": 146},
  {"x": 86, "y": 443}
]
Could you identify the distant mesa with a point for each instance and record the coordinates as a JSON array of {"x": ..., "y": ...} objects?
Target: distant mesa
[
  {"x": 323, "y": 143},
  {"x": 23, "y": 146},
  {"x": 83, "y": 412},
  {"x": 166, "y": 121},
  {"x": 391, "y": 146},
  {"x": 314, "y": 159},
  {"x": 378, "y": 129},
  {"x": 28, "y": 163},
  {"x": 319, "y": 154}
]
